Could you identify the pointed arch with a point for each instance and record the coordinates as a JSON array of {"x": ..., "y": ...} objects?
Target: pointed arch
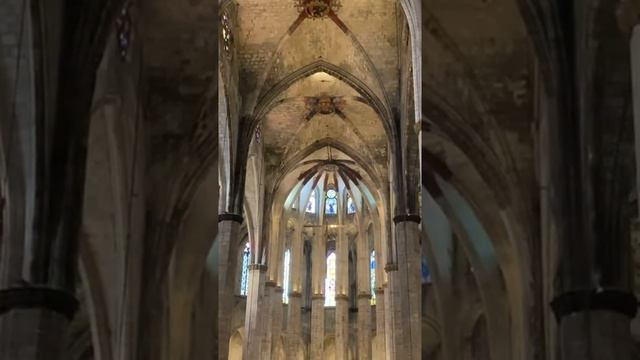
[{"x": 268, "y": 100}]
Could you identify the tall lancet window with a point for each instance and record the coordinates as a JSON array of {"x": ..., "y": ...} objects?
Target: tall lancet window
[
  {"x": 311, "y": 205},
  {"x": 372, "y": 263},
  {"x": 244, "y": 279},
  {"x": 330, "y": 281},
  {"x": 331, "y": 206},
  {"x": 285, "y": 278},
  {"x": 351, "y": 206}
]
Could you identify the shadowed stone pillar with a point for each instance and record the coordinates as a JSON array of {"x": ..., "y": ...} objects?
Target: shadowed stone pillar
[
  {"x": 229, "y": 229},
  {"x": 294, "y": 322},
  {"x": 595, "y": 307},
  {"x": 254, "y": 315},
  {"x": 31, "y": 318},
  {"x": 595, "y": 325},
  {"x": 364, "y": 294},
  {"x": 406, "y": 292},
  {"x": 278, "y": 314},
  {"x": 342, "y": 296},
  {"x": 267, "y": 320},
  {"x": 318, "y": 262},
  {"x": 380, "y": 335},
  {"x": 389, "y": 269}
]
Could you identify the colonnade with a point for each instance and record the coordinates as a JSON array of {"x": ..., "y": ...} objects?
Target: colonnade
[{"x": 265, "y": 315}]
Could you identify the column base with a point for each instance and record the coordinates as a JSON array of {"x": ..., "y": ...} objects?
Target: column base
[
  {"x": 33, "y": 334},
  {"x": 595, "y": 325}
]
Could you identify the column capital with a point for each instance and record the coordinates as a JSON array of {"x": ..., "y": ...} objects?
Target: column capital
[
  {"x": 364, "y": 296},
  {"x": 391, "y": 267},
  {"x": 379, "y": 291},
  {"x": 407, "y": 217},
  {"x": 341, "y": 297},
  {"x": 317, "y": 297},
  {"x": 295, "y": 294},
  {"x": 576, "y": 301},
  {"x": 42, "y": 297},
  {"x": 260, "y": 267},
  {"x": 270, "y": 283},
  {"x": 230, "y": 217},
  {"x": 279, "y": 289}
]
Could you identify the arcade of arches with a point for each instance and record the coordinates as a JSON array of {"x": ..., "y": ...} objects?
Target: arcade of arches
[{"x": 319, "y": 179}]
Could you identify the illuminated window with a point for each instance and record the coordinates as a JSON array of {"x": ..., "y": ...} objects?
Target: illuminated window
[
  {"x": 426, "y": 273},
  {"x": 311, "y": 205},
  {"x": 244, "y": 279},
  {"x": 331, "y": 206},
  {"x": 123, "y": 29},
  {"x": 373, "y": 277},
  {"x": 285, "y": 278},
  {"x": 227, "y": 36},
  {"x": 330, "y": 281},
  {"x": 351, "y": 206}
]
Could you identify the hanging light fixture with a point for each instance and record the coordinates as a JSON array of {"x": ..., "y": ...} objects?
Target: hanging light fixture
[{"x": 317, "y": 9}]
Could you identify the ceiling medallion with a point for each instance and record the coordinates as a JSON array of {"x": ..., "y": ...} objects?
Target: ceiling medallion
[
  {"x": 317, "y": 9},
  {"x": 324, "y": 104}
]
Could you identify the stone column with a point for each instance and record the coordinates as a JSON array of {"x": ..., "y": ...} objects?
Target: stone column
[
  {"x": 294, "y": 322},
  {"x": 380, "y": 335},
  {"x": 363, "y": 279},
  {"x": 406, "y": 291},
  {"x": 318, "y": 262},
  {"x": 380, "y": 302},
  {"x": 276, "y": 326},
  {"x": 31, "y": 319},
  {"x": 266, "y": 348},
  {"x": 635, "y": 82},
  {"x": 229, "y": 230},
  {"x": 254, "y": 314},
  {"x": 342, "y": 296},
  {"x": 595, "y": 306}
]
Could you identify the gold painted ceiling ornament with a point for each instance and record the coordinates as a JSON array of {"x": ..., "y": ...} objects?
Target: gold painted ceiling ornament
[
  {"x": 317, "y": 9},
  {"x": 324, "y": 104}
]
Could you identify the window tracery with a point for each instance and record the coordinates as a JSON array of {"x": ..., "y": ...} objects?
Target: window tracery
[{"x": 331, "y": 204}]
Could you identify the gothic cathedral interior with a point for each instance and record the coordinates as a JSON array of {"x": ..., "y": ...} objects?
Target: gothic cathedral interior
[{"x": 319, "y": 179}]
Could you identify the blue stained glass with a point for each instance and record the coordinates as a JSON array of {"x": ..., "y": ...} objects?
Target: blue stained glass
[
  {"x": 331, "y": 207},
  {"x": 373, "y": 277},
  {"x": 426, "y": 273},
  {"x": 351, "y": 206},
  {"x": 311, "y": 205},
  {"x": 244, "y": 279}
]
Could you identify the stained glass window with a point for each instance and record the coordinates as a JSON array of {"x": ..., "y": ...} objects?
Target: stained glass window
[
  {"x": 373, "y": 277},
  {"x": 227, "y": 36},
  {"x": 311, "y": 205},
  {"x": 330, "y": 281},
  {"x": 285, "y": 278},
  {"x": 426, "y": 273},
  {"x": 351, "y": 206},
  {"x": 331, "y": 206},
  {"x": 244, "y": 279},
  {"x": 123, "y": 30}
]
